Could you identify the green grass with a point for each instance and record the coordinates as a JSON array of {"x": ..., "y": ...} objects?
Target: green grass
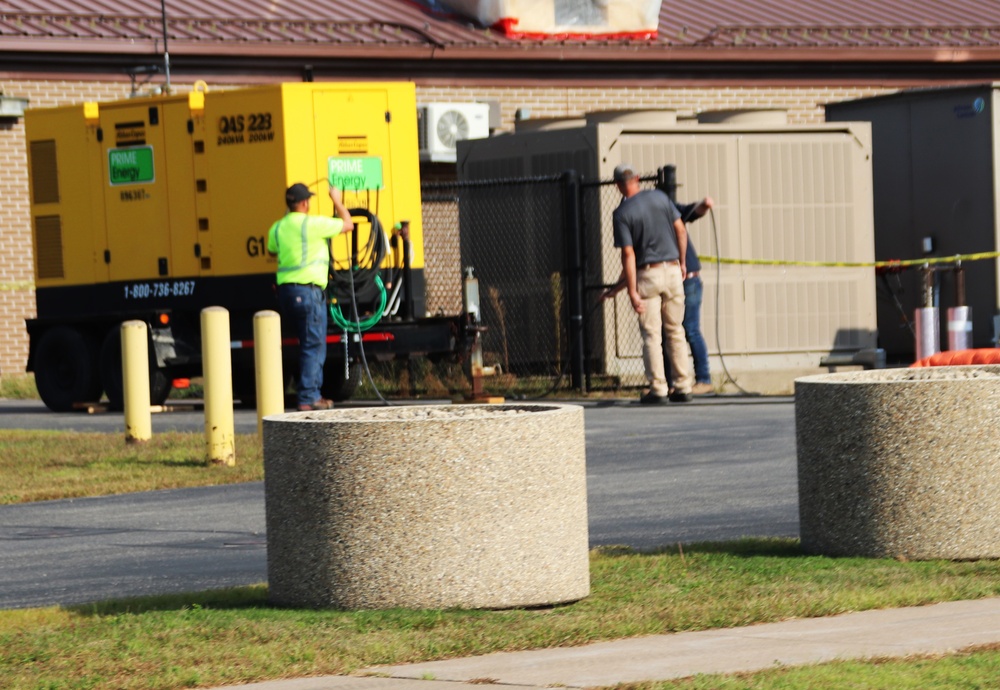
[
  {"x": 234, "y": 636},
  {"x": 43, "y": 465},
  {"x": 18, "y": 387}
]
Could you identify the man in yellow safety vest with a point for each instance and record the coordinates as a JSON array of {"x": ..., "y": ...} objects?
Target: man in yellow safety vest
[{"x": 301, "y": 243}]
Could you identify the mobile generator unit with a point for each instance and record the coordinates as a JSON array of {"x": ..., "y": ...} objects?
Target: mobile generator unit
[{"x": 154, "y": 208}]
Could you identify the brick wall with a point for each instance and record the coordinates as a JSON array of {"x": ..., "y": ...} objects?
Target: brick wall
[
  {"x": 17, "y": 296},
  {"x": 17, "y": 300},
  {"x": 803, "y": 104}
]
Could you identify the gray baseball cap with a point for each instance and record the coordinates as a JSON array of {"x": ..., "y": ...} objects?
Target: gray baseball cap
[{"x": 624, "y": 172}]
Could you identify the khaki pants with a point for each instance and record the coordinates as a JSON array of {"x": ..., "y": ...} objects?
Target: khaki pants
[{"x": 661, "y": 288}]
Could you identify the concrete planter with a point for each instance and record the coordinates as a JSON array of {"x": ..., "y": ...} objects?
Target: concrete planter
[
  {"x": 901, "y": 463},
  {"x": 473, "y": 506}
]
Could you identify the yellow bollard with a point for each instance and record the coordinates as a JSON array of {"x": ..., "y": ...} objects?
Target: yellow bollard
[
  {"x": 135, "y": 382},
  {"x": 267, "y": 366},
  {"x": 217, "y": 369}
]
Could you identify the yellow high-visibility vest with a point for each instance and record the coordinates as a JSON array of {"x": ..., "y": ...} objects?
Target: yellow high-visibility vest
[{"x": 300, "y": 241}]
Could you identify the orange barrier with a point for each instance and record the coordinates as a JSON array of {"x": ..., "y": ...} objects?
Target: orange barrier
[{"x": 955, "y": 358}]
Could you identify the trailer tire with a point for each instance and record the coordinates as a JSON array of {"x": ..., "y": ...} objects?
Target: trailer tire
[
  {"x": 111, "y": 373},
  {"x": 66, "y": 368},
  {"x": 335, "y": 386}
]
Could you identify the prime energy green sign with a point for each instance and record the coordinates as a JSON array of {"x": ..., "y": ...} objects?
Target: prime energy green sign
[
  {"x": 355, "y": 174},
  {"x": 132, "y": 165}
]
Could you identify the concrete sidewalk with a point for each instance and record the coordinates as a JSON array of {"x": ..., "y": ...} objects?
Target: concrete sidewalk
[{"x": 937, "y": 628}]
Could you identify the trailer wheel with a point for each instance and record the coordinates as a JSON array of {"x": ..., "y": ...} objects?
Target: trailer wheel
[
  {"x": 336, "y": 386},
  {"x": 66, "y": 368},
  {"x": 111, "y": 373}
]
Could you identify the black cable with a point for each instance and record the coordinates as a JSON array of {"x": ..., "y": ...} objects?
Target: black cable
[
  {"x": 897, "y": 303},
  {"x": 362, "y": 269},
  {"x": 718, "y": 292},
  {"x": 361, "y": 342},
  {"x": 368, "y": 264}
]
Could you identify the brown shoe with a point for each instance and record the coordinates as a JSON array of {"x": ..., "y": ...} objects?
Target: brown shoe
[
  {"x": 702, "y": 389},
  {"x": 321, "y": 404}
]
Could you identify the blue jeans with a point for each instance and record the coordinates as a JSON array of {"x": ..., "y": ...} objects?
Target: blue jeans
[
  {"x": 692, "y": 330},
  {"x": 306, "y": 306}
]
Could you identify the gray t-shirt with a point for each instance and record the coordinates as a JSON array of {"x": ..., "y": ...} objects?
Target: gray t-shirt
[{"x": 646, "y": 223}]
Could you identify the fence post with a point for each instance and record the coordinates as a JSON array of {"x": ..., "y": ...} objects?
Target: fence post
[
  {"x": 574, "y": 275},
  {"x": 666, "y": 179}
]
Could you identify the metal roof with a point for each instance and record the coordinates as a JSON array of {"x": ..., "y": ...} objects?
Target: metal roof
[{"x": 688, "y": 29}]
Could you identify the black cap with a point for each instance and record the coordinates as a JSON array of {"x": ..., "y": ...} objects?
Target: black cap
[{"x": 296, "y": 193}]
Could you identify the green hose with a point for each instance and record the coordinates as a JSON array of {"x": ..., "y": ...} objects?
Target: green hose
[{"x": 345, "y": 324}]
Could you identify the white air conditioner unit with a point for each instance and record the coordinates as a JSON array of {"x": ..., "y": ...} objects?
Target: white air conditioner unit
[{"x": 442, "y": 125}]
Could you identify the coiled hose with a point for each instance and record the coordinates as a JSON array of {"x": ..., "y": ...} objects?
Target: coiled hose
[{"x": 362, "y": 273}]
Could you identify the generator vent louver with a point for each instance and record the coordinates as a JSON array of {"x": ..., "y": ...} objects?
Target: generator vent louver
[
  {"x": 48, "y": 247},
  {"x": 44, "y": 172}
]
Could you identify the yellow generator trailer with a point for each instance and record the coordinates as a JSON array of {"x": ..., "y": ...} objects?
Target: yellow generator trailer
[{"x": 154, "y": 208}]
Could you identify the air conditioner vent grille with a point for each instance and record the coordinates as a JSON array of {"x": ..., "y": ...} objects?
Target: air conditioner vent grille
[{"x": 440, "y": 126}]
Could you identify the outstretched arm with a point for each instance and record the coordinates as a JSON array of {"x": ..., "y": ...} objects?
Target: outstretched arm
[
  {"x": 694, "y": 211},
  {"x": 614, "y": 289},
  {"x": 338, "y": 205}
]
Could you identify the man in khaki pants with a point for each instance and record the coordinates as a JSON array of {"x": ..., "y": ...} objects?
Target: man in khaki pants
[{"x": 653, "y": 240}]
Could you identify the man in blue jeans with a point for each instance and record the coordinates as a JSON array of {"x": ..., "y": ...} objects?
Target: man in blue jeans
[
  {"x": 692, "y": 304},
  {"x": 300, "y": 241}
]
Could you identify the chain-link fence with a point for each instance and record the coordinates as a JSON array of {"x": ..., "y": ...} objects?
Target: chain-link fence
[{"x": 542, "y": 251}]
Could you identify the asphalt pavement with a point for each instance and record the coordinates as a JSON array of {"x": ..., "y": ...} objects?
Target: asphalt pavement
[{"x": 713, "y": 469}]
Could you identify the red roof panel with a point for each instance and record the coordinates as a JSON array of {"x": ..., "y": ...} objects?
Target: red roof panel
[{"x": 697, "y": 24}]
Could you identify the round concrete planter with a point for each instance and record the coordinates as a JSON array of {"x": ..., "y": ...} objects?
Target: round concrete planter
[
  {"x": 472, "y": 506},
  {"x": 901, "y": 463}
]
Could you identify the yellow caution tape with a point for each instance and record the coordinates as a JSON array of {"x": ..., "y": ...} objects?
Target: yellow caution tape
[
  {"x": 894, "y": 263},
  {"x": 901, "y": 263}
]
